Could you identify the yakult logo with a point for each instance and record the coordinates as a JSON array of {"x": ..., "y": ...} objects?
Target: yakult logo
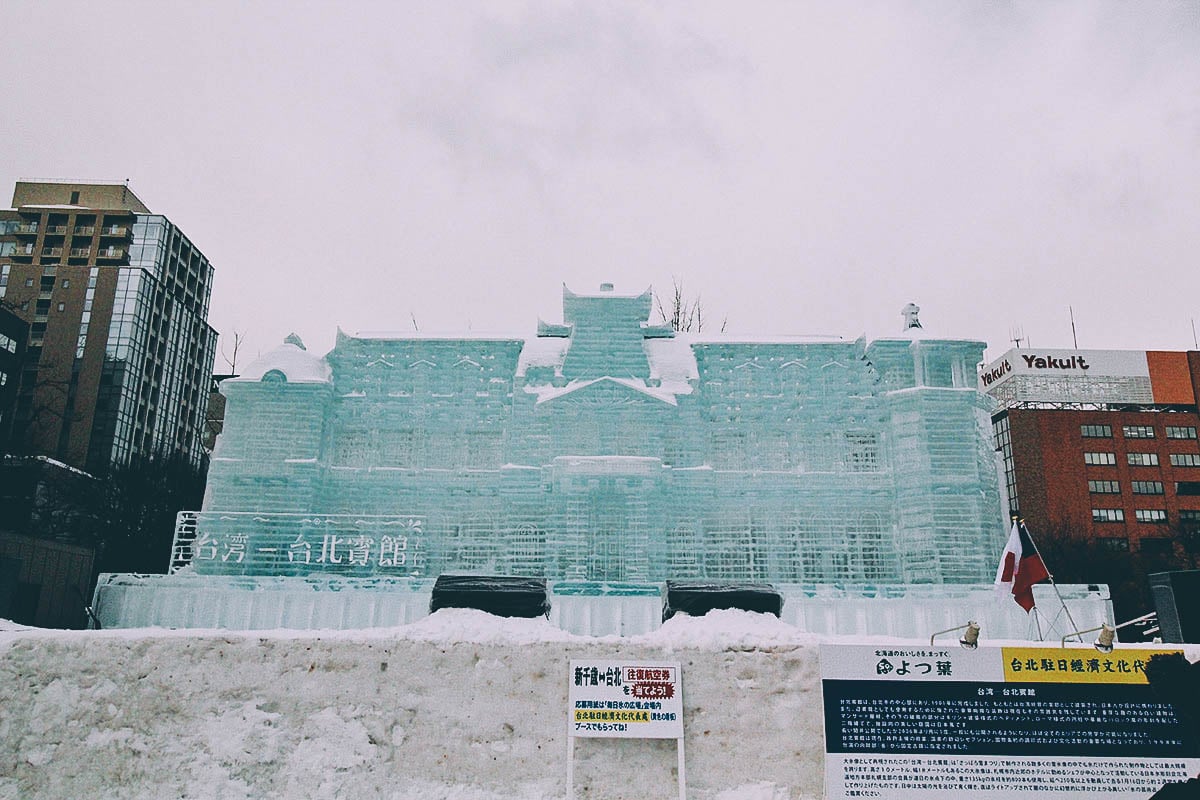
[
  {"x": 995, "y": 373},
  {"x": 1044, "y": 362}
]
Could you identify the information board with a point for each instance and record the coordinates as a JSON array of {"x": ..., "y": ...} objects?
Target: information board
[
  {"x": 626, "y": 699},
  {"x": 1002, "y": 722}
]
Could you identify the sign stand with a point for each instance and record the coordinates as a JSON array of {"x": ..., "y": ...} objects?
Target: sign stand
[
  {"x": 571, "y": 768},
  {"x": 625, "y": 700}
]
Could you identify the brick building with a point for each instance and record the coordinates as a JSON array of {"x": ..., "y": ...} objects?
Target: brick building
[
  {"x": 14, "y": 332},
  {"x": 1102, "y": 442},
  {"x": 119, "y": 353}
]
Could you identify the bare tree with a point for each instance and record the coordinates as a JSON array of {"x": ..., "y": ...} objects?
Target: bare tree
[
  {"x": 50, "y": 406},
  {"x": 231, "y": 358},
  {"x": 1073, "y": 555},
  {"x": 683, "y": 314}
]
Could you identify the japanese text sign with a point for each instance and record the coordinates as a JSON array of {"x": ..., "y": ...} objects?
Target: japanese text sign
[
  {"x": 915, "y": 723},
  {"x": 625, "y": 699}
]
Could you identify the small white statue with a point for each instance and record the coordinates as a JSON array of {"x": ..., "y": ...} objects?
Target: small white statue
[{"x": 909, "y": 312}]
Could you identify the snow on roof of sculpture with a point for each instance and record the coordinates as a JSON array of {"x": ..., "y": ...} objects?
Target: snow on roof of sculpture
[
  {"x": 292, "y": 361},
  {"x": 544, "y": 352},
  {"x": 606, "y": 290}
]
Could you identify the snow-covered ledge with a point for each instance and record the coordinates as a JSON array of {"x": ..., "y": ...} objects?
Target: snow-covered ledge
[{"x": 459, "y": 705}]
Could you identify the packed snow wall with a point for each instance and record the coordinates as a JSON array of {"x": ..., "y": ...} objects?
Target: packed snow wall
[
  {"x": 459, "y": 707},
  {"x": 606, "y": 449}
]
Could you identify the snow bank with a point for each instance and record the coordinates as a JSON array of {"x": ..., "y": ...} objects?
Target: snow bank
[{"x": 459, "y": 705}]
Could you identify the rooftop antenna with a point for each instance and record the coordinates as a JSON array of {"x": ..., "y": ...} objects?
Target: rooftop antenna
[
  {"x": 1195, "y": 344},
  {"x": 125, "y": 190},
  {"x": 414, "y": 322},
  {"x": 1074, "y": 338},
  {"x": 1017, "y": 336}
]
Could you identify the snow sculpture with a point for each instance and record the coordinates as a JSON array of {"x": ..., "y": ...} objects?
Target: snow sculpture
[{"x": 606, "y": 449}]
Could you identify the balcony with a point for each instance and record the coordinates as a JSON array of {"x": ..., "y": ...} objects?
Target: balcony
[
  {"x": 27, "y": 229},
  {"x": 108, "y": 253},
  {"x": 116, "y": 230},
  {"x": 52, "y": 251},
  {"x": 80, "y": 252},
  {"x": 85, "y": 230},
  {"x": 23, "y": 250},
  {"x": 56, "y": 230}
]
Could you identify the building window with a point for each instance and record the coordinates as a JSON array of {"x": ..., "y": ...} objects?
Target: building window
[
  {"x": 1185, "y": 460},
  {"x": 1096, "y": 431},
  {"x": 74, "y": 198},
  {"x": 863, "y": 453},
  {"x": 62, "y": 306},
  {"x": 66, "y": 284},
  {"x": 1138, "y": 431},
  {"x": 1003, "y": 432},
  {"x": 1142, "y": 459},
  {"x": 1151, "y": 515},
  {"x": 8, "y": 343},
  {"x": 29, "y": 283},
  {"x": 526, "y": 550},
  {"x": 1099, "y": 459},
  {"x": 1104, "y": 487},
  {"x": 1189, "y": 519},
  {"x": 1147, "y": 487},
  {"x": 1176, "y": 432},
  {"x": 1108, "y": 515},
  {"x": 1116, "y": 544},
  {"x": 1155, "y": 546},
  {"x": 1188, "y": 488}
]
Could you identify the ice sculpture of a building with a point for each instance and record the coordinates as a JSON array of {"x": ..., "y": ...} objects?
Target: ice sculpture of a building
[
  {"x": 606, "y": 451},
  {"x": 608, "y": 448}
]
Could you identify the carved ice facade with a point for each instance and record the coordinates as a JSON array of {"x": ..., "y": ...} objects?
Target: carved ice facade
[{"x": 606, "y": 449}]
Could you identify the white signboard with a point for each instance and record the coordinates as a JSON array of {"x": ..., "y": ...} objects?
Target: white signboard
[
  {"x": 626, "y": 699},
  {"x": 919, "y": 723},
  {"x": 1095, "y": 364}
]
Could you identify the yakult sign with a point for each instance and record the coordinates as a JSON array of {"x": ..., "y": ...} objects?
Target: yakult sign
[{"x": 1079, "y": 363}]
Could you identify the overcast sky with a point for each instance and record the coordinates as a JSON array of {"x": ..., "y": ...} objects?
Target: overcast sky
[{"x": 802, "y": 167}]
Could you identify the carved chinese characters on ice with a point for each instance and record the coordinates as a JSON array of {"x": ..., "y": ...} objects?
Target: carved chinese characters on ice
[{"x": 377, "y": 546}]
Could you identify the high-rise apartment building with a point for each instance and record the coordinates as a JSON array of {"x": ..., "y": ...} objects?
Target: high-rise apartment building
[{"x": 119, "y": 355}]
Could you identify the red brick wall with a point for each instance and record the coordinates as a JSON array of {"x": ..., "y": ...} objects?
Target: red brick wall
[{"x": 1052, "y": 479}]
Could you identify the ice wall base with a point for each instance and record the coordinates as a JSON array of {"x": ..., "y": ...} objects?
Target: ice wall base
[{"x": 909, "y": 612}]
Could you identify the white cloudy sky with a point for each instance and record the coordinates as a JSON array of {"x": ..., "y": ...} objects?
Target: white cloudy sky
[{"x": 803, "y": 167}]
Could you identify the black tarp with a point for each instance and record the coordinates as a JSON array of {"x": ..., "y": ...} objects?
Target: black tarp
[
  {"x": 697, "y": 598},
  {"x": 499, "y": 595}
]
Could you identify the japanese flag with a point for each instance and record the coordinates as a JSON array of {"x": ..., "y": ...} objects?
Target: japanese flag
[{"x": 1020, "y": 567}]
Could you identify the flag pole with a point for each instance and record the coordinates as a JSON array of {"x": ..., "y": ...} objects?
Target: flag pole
[{"x": 1021, "y": 521}]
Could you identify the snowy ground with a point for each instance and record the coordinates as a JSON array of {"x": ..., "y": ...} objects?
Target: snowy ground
[{"x": 457, "y": 706}]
